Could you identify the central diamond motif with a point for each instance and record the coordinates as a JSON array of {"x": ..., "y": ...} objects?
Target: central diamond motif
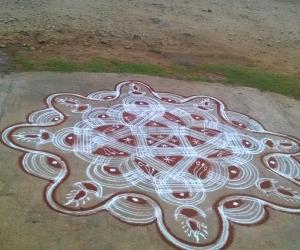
[{"x": 181, "y": 152}]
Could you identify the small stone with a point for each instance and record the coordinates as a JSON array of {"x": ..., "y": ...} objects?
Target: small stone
[
  {"x": 13, "y": 19},
  {"x": 155, "y": 50},
  {"x": 32, "y": 48},
  {"x": 41, "y": 41},
  {"x": 155, "y": 20},
  {"x": 115, "y": 35},
  {"x": 136, "y": 37},
  {"x": 106, "y": 42},
  {"x": 187, "y": 34},
  {"x": 2, "y": 46},
  {"x": 127, "y": 46},
  {"x": 24, "y": 33},
  {"x": 59, "y": 30}
]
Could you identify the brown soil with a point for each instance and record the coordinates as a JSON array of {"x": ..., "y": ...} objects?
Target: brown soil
[{"x": 248, "y": 32}]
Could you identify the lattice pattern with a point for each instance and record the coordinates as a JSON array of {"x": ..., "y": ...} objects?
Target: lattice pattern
[{"x": 185, "y": 163}]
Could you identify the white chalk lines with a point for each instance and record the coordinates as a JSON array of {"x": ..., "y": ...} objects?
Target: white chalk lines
[{"x": 185, "y": 163}]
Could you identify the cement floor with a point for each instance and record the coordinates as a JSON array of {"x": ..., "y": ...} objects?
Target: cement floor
[{"x": 27, "y": 223}]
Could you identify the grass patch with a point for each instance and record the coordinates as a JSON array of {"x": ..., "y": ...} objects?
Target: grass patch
[
  {"x": 55, "y": 64},
  {"x": 60, "y": 66},
  {"x": 138, "y": 68},
  {"x": 96, "y": 65},
  {"x": 253, "y": 77},
  {"x": 25, "y": 64},
  {"x": 233, "y": 74}
]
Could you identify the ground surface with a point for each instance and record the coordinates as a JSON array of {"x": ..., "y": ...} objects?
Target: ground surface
[
  {"x": 26, "y": 221},
  {"x": 264, "y": 33}
]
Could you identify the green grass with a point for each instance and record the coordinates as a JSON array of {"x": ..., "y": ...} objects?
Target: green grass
[
  {"x": 233, "y": 74},
  {"x": 141, "y": 68},
  {"x": 25, "y": 64},
  {"x": 57, "y": 65},
  {"x": 60, "y": 66},
  {"x": 257, "y": 78},
  {"x": 97, "y": 65}
]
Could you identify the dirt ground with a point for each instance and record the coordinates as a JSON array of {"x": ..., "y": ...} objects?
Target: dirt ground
[{"x": 264, "y": 33}]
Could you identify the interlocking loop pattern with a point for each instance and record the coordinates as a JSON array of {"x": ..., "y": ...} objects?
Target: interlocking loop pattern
[{"x": 185, "y": 163}]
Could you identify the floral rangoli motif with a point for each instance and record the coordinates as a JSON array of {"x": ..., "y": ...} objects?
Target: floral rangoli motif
[{"x": 187, "y": 164}]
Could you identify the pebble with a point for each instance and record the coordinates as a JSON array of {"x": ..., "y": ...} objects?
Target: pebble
[
  {"x": 106, "y": 42},
  {"x": 155, "y": 20},
  {"x": 127, "y": 46},
  {"x": 136, "y": 37},
  {"x": 41, "y": 41},
  {"x": 187, "y": 34}
]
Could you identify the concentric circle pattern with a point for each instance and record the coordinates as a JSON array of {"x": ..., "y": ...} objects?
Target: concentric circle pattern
[{"x": 185, "y": 163}]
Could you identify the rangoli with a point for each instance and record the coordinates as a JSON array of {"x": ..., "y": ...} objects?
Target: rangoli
[{"x": 187, "y": 164}]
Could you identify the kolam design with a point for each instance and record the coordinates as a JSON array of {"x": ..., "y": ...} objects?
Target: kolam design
[{"x": 187, "y": 164}]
